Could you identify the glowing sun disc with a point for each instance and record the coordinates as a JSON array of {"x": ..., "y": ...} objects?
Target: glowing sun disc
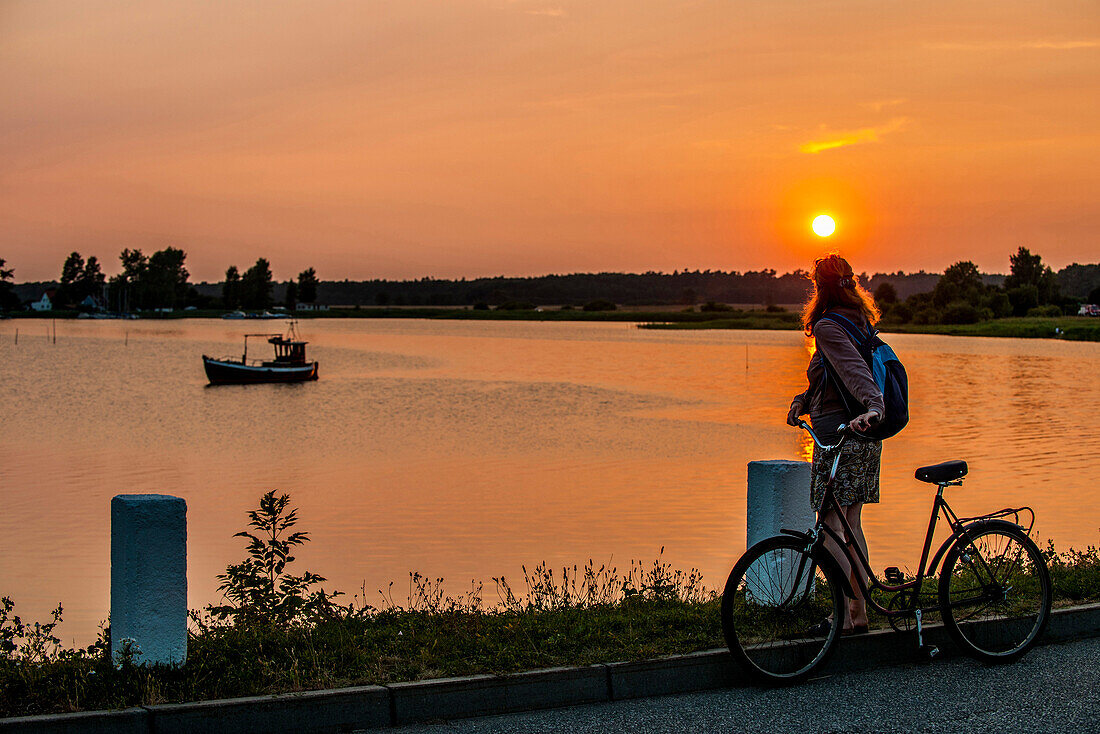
[{"x": 824, "y": 225}]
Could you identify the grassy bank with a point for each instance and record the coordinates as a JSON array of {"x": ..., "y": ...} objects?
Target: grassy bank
[
  {"x": 1073, "y": 328},
  {"x": 581, "y": 616}
]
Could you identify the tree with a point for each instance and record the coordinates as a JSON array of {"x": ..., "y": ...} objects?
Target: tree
[
  {"x": 8, "y": 300},
  {"x": 127, "y": 289},
  {"x": 291, "y": 295},
  {"x": 1028, "y": 270},
  {"x": 231, "y": 291},
  {"x": 307, "y": 286},
  {"x": 71, "y": 270},
  {"x": 70, "y": 274},
  {"x": 166, "y": 278},
  {"x": 885, "y": 294},
  {"x": 90, "y": 282},
  {"x": 256, "y": 285},
  {"x": 959, "y": 282}
]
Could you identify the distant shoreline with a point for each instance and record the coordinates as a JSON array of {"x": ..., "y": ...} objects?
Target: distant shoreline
[{"x": 1070, "y": 328}]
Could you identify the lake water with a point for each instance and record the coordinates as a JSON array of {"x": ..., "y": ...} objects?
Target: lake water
[{"x": 464, "y": 449}]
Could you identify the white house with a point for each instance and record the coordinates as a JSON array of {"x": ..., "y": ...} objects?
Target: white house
[{"x": 44, "y": 303}]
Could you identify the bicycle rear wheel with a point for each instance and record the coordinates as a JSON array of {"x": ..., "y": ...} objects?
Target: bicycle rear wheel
[
  {"x": 776, "y": 611},
  {"x": 995, "y": 593}
]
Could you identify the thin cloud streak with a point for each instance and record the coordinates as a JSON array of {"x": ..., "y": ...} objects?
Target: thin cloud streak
[{"x": 855, "y": 137}]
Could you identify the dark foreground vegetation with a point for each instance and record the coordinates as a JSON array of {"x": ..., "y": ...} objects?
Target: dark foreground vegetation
[{"x": 279, "y": 632}]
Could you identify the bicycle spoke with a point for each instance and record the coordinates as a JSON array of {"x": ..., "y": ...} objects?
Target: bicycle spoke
[
  {"x": 995, "y": 593},
  {"x": 774, "y": 599}
]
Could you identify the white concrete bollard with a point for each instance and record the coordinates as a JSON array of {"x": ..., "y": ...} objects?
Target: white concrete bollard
[
  {"x": 149, "y": 578},
  {"x": 778, "y": 497}
]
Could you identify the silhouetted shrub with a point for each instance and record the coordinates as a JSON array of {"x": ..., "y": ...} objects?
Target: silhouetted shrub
[
  {"x": 1023, "y": 299},
  {"x": 600, "y": 305},
  {"x": 899, "y": 313},
  {"x": 960, "y": 312},
  {"x": 927, "y": 315},
  {"x": 886, "y": 294}
]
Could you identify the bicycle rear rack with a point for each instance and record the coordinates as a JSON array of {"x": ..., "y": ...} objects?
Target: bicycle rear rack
[{"x": 1013, "y": 512}]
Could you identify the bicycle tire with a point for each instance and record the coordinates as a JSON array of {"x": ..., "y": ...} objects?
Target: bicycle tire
[
  {"x": 769, "y": 607},
  {"x": 995, "y": 593}
]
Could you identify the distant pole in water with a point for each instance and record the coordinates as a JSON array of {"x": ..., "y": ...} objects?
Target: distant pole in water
[
  {"x": 17, "y": 336},
  {"x": 127, "y": 343},
  {"x": 746, "y": 358},
  {"x": 54, "y": 331}
]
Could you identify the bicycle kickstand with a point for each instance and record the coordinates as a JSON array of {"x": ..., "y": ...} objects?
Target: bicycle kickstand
[{"x": 928, "y": 651}]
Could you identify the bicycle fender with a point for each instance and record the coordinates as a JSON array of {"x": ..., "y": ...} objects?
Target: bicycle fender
[
  {"x": 796, "y": 533},
  {"x": 956, "y": 536}
]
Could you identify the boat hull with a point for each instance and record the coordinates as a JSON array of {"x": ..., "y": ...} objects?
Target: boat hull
[{"x": 222, "y": 372}]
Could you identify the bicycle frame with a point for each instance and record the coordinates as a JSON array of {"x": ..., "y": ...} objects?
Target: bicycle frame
[{"x": 858, "y": 559}]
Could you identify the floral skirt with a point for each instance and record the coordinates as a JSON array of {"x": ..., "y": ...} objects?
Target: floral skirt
[{"x": 856, "y": 478}]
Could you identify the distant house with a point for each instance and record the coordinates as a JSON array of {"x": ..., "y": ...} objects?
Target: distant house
[
  {"x": 92, "y": 304},
  {"x": 1089, "y": 309},
  {"x": 312, "y": 307},
  {"x": 45, "y": 303}
]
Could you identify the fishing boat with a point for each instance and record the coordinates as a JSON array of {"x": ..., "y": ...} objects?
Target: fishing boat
[{"x": 289, "y": 365}]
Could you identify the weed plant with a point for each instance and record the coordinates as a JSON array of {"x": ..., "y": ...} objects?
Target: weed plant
[{"x": 280, "y": 632}]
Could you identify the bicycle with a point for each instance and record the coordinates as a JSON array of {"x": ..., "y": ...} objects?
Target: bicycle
[{"x": 782, "y": 605}]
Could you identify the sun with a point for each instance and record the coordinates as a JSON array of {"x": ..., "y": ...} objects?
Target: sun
[{"x": 824, "y": 225}]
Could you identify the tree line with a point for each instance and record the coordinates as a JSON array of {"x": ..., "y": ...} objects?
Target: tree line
[
  {"x": 157, "y": 281},
  {"x": 960, "y": 294}
]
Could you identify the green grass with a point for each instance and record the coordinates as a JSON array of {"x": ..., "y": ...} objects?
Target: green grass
[
  {"x": 577, "y": 617},
  {"x": 1073, "y": 328}
]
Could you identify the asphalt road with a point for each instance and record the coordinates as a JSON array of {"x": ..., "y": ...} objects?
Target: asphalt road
[{"x": 1055, "y": 688}]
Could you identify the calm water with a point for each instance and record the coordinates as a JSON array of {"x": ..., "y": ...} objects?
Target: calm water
[{"x": 463, "y": 449}]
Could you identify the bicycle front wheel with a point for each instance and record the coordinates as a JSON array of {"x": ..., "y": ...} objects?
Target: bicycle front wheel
[
  {"x": 781, "y": 611},
  {"x": 995, "y": 593}
]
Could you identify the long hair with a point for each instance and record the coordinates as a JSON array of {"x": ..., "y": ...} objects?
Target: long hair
[{"x": 835, "y": 284}]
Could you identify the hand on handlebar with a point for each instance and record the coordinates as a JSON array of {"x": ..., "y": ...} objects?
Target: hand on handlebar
[
  {"x": 794, "y": 413},
  {"x": 863, "y": 422}
]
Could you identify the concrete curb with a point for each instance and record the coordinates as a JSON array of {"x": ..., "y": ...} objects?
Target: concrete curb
[{"x": 371, "y": 707}]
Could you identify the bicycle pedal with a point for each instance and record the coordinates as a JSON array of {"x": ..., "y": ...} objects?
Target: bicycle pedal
[
  {"x": 929, "y": 651},
  {"x": 893, "y": 575}
]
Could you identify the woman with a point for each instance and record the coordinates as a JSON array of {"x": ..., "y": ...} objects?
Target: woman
[{"x": 836, "y": 290}]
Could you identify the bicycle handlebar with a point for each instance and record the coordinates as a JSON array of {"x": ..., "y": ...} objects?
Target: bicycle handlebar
[{"x": 843, "y": 430}]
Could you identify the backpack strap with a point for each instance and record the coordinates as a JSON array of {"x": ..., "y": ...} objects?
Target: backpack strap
[
  {"x": 855, "y": 332},
  {"x": 860, "y": 340}
]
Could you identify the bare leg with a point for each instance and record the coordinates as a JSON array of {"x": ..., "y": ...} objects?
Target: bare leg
[
  {"x": 833, "y": 521},
  {"x": 858, "y": 605}
]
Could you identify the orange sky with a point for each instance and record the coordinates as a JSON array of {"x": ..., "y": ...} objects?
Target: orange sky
[{"x": 404, "y": 138}]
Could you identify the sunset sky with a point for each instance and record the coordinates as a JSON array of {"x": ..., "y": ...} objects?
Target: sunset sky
[{"x": 406, "y": 138}]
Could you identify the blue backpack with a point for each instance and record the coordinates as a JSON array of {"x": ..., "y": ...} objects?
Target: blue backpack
[{"x": 887, "y": 370}]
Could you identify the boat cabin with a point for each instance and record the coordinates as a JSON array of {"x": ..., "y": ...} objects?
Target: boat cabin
[{"x": 288, "y": 351}]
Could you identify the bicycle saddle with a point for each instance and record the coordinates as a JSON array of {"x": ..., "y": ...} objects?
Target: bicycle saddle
[{"x": 940, "y": 473}]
